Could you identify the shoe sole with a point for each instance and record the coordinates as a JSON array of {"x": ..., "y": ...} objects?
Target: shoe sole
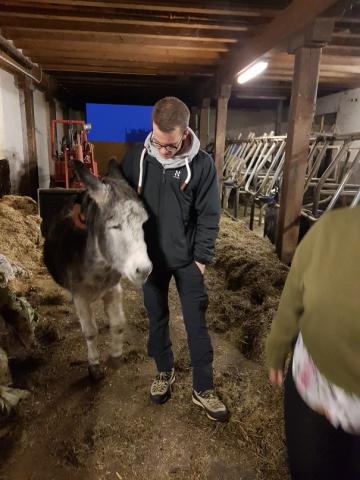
[
  {"x": 214, "y": 419},
  {"x": 167, "y": 395}
]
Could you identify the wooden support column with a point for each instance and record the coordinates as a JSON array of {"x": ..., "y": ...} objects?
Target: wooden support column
[
  {"x": 30, "y": 182},
  {"x": 220, "y": 128},
  {"x": 204, "y": 122},
  {"x": 194, "y": 120},
  {"x": 52, "y": 150},
  {"x": 52, "y": 115},
  {"x": 279, "y": 112},
  {"x": 66, "y": 115},
  {"x": 52, "y": 108},
  {"x": 301, "y": 114}
]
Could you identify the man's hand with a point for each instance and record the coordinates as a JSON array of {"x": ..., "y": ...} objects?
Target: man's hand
[
  {"x": 77, "y": 217},
  {"x": 276, "y": 377},
  {"x": 201, "y": 267}
]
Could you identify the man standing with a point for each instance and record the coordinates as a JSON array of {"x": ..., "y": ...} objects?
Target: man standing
[{"x": 178, "y": 184}]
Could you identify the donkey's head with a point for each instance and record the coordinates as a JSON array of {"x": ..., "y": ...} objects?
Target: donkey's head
[{"x": 115, "y": 217}]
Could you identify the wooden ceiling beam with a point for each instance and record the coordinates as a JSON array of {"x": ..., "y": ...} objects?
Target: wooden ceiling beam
[
  {"x": 92, "y": 27},
  {"x": 100, "y": 76},
  {"x": 339, "y": 50},
  {"x": 340, "y": 70},
  {"x": 326, "y": 59},
  {"x": 35, "y": 47},
  {"x": 333, "y": 81},
  {"x": 42, "y": 58},
  {"x": 323, "y": 73},
  {"x": 299, "y": 15},
  {"x": 211, "y": 8},
  {"x": 147, "y": 82},
  {"x": 350, "y": 41},
  {"x": 350, "y": 20},
  {"x": 115, "y": 19},
  {"x": 113, "y": 38},
  {"x": 130, "y": 69},
  {"x": 345, "y": 34}
]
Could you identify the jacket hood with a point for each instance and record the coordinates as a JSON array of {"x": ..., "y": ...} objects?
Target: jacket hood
[{"x": 179, "y": 160}]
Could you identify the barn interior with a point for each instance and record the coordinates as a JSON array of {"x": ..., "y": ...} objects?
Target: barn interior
[{"x": 286, "y": 148}]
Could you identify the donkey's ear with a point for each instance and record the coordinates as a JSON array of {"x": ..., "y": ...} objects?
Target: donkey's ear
[
  {"x": 96, "y": 189},
  {"x": 114, "y": 168}
]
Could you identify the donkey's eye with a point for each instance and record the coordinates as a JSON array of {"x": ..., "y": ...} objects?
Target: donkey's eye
[{"x": 117, "y": 227}]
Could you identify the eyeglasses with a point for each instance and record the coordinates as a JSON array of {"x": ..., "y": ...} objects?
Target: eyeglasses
[{"x": 172, "y": 148}]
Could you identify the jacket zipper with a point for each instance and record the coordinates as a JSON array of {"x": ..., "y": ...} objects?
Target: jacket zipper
[{"x": 161, "y": 196}]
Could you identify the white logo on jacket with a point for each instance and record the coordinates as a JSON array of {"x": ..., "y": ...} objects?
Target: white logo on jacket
[{"x": 177, "y": 174}]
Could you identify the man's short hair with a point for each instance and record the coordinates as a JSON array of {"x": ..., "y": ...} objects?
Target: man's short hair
[{"x": 169, "y": 113}]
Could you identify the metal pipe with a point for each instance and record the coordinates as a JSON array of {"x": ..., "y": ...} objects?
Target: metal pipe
[
  {"x": 271, "y": 168},
  {"x": 343, "y": 182},
  {"x": 259, "y": 165},
  {"x": 15, "y": 53},
  {"x": 20, "y": 69},
  {"x": 356, "y": 199},
  {"x": 316, "y": 164},
  {"x": 327, "y": 173},
  {"x": 277, "y": 173},
  {"x": 254, "y": 150}
]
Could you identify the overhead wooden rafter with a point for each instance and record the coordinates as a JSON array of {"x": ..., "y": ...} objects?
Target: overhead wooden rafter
[
  {"x": 291, "y": 21},
  {"x": 170, "y": 39},
  {"x": 211, "y": 8}
]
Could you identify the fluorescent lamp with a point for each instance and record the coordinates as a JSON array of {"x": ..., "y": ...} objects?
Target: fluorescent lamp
[{"x": 252, "y": 72}]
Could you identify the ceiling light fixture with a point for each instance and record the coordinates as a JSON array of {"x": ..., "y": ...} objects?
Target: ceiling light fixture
[{"x": 252, "y": 72}]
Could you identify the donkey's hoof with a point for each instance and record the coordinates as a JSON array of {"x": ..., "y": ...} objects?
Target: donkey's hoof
[
  {"x": 96, "y": 372},
  {"x": 115, "y": 362}
]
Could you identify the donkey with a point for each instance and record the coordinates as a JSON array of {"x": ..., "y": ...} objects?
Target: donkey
[{"x": 90, "y": 263}]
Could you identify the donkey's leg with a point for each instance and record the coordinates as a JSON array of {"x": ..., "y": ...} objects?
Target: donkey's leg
[
  {"x": 115, "y": 315},
  {"x": 90, "y": 331}
]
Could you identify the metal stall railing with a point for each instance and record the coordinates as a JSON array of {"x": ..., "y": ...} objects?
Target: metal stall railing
[{"x": 253, "y": 168}]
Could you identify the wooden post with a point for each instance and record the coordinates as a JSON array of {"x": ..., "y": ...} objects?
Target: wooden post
[
  {"x": 220, "y": 128},
  {"x": 194, "y": 120},
  {"x": 52, "y": 149},
  {"x": 52, "y": 115},
  {"x": 204, "y": 122},
  {"x": 279, "y": 112},
  {"x": 31, "y": 174},
  {"x": 301, "y": 114},
  {"x": 52, "y": 108},
  {"x": 66, "y": 115}
]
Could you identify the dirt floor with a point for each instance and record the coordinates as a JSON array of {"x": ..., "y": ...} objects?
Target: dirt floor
[{"x": 72, "y": 429}]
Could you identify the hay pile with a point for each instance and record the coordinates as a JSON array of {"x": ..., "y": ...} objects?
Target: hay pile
[
  {"x": 21, "y": 243},
  {"x": 20, "y": 260},
  {"x": 20, "y": 238},
  {"x": 245, "y": 283}
]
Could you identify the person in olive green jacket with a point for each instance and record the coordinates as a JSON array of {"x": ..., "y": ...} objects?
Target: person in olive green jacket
[{"x": 319, "y": 319}]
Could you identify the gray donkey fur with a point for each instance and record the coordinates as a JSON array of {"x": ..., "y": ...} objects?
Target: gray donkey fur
[{"x": 90, "y": 263}]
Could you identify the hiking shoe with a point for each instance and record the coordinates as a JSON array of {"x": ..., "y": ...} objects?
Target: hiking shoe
[
  {"x": 211, "y": 403},
  {"x": 160, "y": 390}
]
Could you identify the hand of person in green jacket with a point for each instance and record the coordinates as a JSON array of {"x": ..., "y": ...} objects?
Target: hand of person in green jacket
[{"x": 276, "y": 377}]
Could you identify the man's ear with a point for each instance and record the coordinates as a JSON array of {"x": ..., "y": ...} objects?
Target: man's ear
[{"x": 186, "y": 133}]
